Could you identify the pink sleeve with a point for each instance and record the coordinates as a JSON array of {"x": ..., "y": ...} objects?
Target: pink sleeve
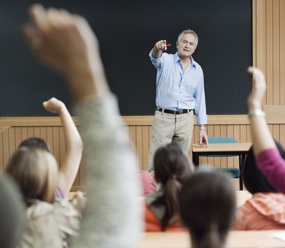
[
  {"x": 272, "y": 166},
  {"x": 148, "y": 183},
  {"x": 239, "y": 223}
]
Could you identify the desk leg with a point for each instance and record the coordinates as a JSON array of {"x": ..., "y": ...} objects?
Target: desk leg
[
  {"x": 195, "y": 159},
  {"x": 241, "y": 162}
]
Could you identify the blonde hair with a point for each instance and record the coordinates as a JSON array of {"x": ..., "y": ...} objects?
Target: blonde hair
[
  {"x": 188, "y": 31},
  {"x": 36, "y": 172}
]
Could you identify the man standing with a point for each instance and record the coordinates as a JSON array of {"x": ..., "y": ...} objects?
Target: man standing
[{"x": 179, "y": 92}]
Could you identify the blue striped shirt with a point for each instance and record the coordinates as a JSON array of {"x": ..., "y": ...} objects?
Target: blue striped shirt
[{"x": 177, "y": 88}]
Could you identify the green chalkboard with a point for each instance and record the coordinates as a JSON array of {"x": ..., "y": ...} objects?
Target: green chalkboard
[{"x": 127, "y": 30}]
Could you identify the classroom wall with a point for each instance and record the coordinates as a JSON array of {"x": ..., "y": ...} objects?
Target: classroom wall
[{"x": 268, "y": 55}]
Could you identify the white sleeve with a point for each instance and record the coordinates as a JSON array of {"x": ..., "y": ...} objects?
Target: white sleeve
[{"x": 113, "y": 213}]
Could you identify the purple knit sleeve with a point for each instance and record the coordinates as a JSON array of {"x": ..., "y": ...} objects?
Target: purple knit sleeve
[
  {"x": 59, "y": 194},
  {"x": 272, "y": 165}
]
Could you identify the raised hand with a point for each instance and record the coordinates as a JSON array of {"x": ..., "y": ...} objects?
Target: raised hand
[
  {"x": 258, "y": 88},
  {"x": 54, "y": 105}
]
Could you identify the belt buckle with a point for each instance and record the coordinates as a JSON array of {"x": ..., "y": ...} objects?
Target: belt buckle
[{"x": 180, "y": 111}]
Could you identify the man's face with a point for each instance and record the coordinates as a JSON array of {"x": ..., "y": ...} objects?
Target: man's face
[{"x": 186, "y": 46}]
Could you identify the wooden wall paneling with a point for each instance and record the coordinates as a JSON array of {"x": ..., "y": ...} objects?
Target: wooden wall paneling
[
  {"x": 82, "y": 175},
  {"x": 140, "y": 135},
  {"x": 282, "y": 135},
  {"x": 132, "y": 133},
  {"x": 210, "y": 132},
  {"x": 248, "y": 134},
  {"x": 12, "y": 143},
  {"x": 230, "y": 134},
  {"x": 269, "y": 51},
  {"x": 18, "y": 136},
  {"x": 37, "y": 131},
  {"x": 260, "y": 34},
  {"x": 6, "y": 151},
  {"x": 139, "y": 145},
  {"x": 276, "y": 131},
  {"x": 243, "y": 133},
  {"x": 236, "y": 135},
  {"x": 282, "y": 52},
  {"x": 275, "y": 114},
  {"x": 30, "y": 132},
  {"x": 223, "y": 133},
  {"x": 276, "y": 52},
  {"x": 43, "y": 132},
  {"x": 1, "y": 151},
  {"x": 145, "y": 146},
  {"x": 24, "y": 133},
  {"x": 49, "y": 137},
  {"x": 254, "y": 31},
  {"x": 217, "y": 133},
  {"x": 56, "y": 144},
  {"x": 133, "y": 138},
  {"x": 61, "y": 144}
]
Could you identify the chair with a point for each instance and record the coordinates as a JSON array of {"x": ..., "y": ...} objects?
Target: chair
[{"x": 233, "y": 172}]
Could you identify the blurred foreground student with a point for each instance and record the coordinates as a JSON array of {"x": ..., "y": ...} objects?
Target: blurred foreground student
[
  {"x": 268, "y": 158},
  {"x": 50, "y": 223},
  {"x": 171, "y": 167},
  {"x": 207, "y": 208},
  {"x": 112, "y": 216},
  {"x": 73, "y": 152},
  {"x": 265, "y": 210},
  {"x": 13, "y": 221}
]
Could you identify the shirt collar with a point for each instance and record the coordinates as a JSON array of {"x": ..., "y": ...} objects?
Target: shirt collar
[{"x": 193, "y": 62}]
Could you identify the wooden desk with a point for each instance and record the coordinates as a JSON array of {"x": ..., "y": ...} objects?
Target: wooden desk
[
  {"x": 235, "y": 149},
  {"x": 236, "y": 239}
]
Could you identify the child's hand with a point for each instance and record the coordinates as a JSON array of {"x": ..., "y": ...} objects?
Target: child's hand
[
  {"x": 79, "y": 201},
  {"x": 54, "y": 105}
]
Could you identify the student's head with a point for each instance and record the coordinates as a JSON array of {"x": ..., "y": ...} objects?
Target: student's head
[
  {"x": 12, "y": 214},
  {"x": 207, "y": 207},
  {"x": 171, "y": 164},
  {"x": 35, "y": 142},
  {"x": 171, "y": 167},
  {"x": 36, "y": 172},
  {"x": 254, "y": 180}
]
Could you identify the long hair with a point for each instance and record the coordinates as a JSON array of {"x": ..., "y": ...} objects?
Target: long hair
[
  {"x": 207, "y": 208},
  {"x": 36, "y": 173},
  {"x": 254, "y": 180},
  {"x": 171, "y": 166}
]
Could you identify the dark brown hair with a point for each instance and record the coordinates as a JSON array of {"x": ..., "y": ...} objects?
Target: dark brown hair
[
  {"x": 254, "y": 180},
  {"x": 36, "y": 142},
  {"x": 207, "y": 207},
  {"x": 171, "y": 166}
]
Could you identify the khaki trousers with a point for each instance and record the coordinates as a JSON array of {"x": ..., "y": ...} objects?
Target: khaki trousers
[{"x": 167, "y": 128}]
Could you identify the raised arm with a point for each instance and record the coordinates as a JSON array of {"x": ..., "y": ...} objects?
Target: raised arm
[
  {"x": 158, "y": 48},
  {"x": 73, "y": 145},
  {"x": 261, "y": 136},
  {"x": 268, "y": 158},
  {"x": 112, "y": 216}
]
